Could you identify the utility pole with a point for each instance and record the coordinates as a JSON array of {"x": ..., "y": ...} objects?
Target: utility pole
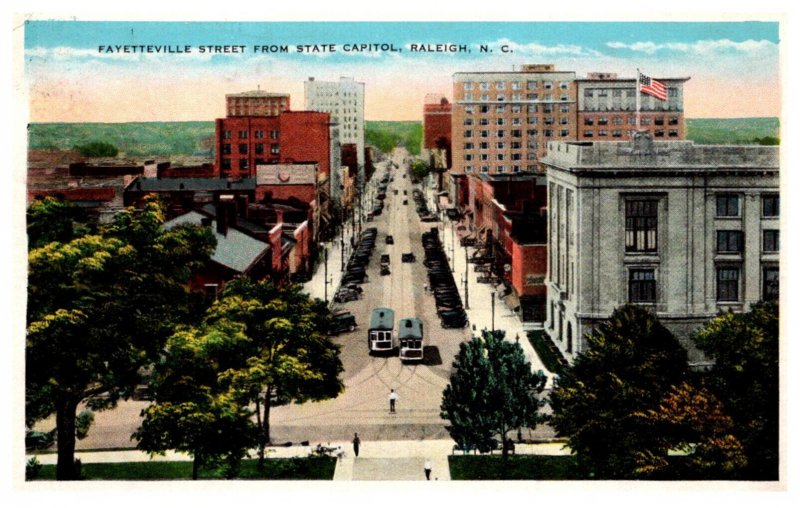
[
  {"x": 342, "y": 237},
  {"x": 466, "y": 285},
  {"x": 325, "y": 273},
  {"x": 492, "y": 311}
]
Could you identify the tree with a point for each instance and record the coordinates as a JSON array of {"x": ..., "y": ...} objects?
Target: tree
[
  {"x": 491, "y": 391},
  {"x": 745, "y": 377},
  {"x": 100, "y": 307},
  {"x": 693, "y": 421},
  {"x": 419, "y": 171},
  {"x": 55, "y": 220},
  {"x": 287, "y": 358},
  {"x": 193, "y": 412},
  {"x": 97, "y": 149},
  {"x": 630, "y": 364}
]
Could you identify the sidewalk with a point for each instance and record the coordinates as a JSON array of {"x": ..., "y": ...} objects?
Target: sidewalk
[
  {"x": 480, "y": 296},
  {"x": 377, "y": 460}
]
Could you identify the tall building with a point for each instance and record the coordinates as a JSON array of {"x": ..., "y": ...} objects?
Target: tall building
[
  {"x": 344, "y": 101},
  {"x": 607, "y": 109},
  {"x": 256, "y": 103},
  {"x": 503, "y": 120},
  {"x": 437, "y": 115},
  {"x": 686, "y": 230}
]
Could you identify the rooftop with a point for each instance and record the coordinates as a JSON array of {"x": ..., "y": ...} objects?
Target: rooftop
[
  {"x": 235, "y": 250},
  {"x": 672, "y": 155},
  {"x": 190, "y": 184},
  {"x": 257, "y": 93}
]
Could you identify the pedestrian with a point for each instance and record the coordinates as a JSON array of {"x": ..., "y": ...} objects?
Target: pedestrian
[
  {"x": 392, "y": 400},
  {"x": 428, "y": 467},
  {"x": 356, "y": 444}
]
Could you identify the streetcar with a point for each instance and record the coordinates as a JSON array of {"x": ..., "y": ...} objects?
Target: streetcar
[
  {"x": 411, "y": 339},
  {"x": 381, "y": 338}
]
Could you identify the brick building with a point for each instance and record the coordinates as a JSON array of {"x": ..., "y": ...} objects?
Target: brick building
[{"x": 256, "y": 103}]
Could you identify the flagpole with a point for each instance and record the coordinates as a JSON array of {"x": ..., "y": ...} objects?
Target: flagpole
[{"x": 638, "y": 101}]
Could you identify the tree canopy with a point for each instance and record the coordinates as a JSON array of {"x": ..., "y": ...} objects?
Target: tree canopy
[
  {"x": 746, "y": 378},
  {"x": 630, "y": 365},
  {"x": 55, "y": 220},
  {"x": 97, "y": 149},
  {"x": 491, "y": 391},
  {"x": 100, "y": 307}
]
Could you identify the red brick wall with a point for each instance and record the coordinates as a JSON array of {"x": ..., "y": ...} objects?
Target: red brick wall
[
  {"x": 303, "y": 136},
  {"x": 436, "y": 123},
  {"x": 525, "y": 260},
  {"x": 78, "y": 194}
]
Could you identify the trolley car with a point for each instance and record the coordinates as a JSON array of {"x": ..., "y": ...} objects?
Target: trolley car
[
  {"x": 411, "y": 339},
  {"x": 381, "y": 336}
]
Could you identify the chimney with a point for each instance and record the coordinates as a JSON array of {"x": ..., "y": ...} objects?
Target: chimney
[{"x": 222, "y": 219}]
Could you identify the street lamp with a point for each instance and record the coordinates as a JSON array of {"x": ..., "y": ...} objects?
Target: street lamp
[{"x": 492, "y": 311}]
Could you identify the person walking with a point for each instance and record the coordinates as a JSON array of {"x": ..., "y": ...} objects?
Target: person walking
[
  {"x": 356, "y": 444},
  {"x": 392, "y": 400},
  {"x": 428, "y": 467}
]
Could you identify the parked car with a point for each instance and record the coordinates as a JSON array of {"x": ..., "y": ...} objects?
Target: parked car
[
  {"x": 385, "y": 260},
  {"x": 405, "y": 201},
  {"x": 389, "y": 240},
  {"x": 346, "y": 295},
  {"x": 408, "y": 257},
  {"x": 454, "y": 319},
  {"x": 342, "y": 322}
]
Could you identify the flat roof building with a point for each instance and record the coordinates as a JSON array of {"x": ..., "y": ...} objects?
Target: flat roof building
[{"x": 686, "y": 230}]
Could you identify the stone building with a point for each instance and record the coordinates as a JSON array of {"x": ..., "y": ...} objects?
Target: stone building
[{"x": 687, "y": 230}]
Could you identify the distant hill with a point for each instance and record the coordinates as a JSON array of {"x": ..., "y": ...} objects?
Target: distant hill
[
  {"x": 731, "y": 130},
  {"x": 143, "y": 139},
  {"x": 386, "y": 135},
  {"x": 139, "y": 139}
]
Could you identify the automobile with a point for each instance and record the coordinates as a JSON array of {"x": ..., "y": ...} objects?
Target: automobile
[
  {"x": 385, "y": 270},
  {"x": 389, "y": 240},
  {"x": 342, "y": 322},
  {"x": 385, "y": 259},
  {"x": 354, "y": 287},
  {"x": 408, "y": 257},
  {"x": 345, "y": 295},
  {"x": 36, "y": 440},
  {"x": 428, "y": 218},
  {"x": 405, "y": 192},
  {"x": 405, "y": 201},
  {"x": 454, "y": 319},
  {"x": 355, "y": 275}
]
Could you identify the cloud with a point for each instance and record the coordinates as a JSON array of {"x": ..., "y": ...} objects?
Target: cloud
[
  {"x": 534, "y": 48},
  {"x": 703, "y": 47}
]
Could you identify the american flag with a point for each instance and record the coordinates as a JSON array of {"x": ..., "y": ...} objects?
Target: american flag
[{"x": 652, "y": 87}]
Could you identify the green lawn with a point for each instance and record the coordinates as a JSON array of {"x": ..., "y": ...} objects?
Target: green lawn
[
  {"x": 311, "y": 468},
  {"x": 546, "y": 351},
  {"x": 519, "y": 467}
]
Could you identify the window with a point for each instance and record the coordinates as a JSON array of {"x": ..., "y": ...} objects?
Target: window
[
  {"x": 602, "y": 121},
  {"x": 564, "y": 108},
  {"x": 515, "y": 168},
  {"x": 548, "y": 85},
  {"x": 243, "y": 164},
  {"x": 588, "y": 93},
  {"x": 516, "y": 121},
  {"x": 275, "y": 148},
  {"x": 501, "y": 169},
  {"x": 501, "y": 133},
  {"x": 617, "y": 120},
  {"x": 226, "y": 134},
  {"x": 588, "y": 134},
  {"x": 533, "y": 108},
  {"x": 259, "y": 134},
  {"x": 659, "y": 120},
  {"x": 469, "y": 146},
  {"x": 468, "y": 121},
  {"x": 532, "y": 120},
  {"x": 469, "y": 109},
  {"x": 673, "y": 133},
  {"x": 588, "y": 120},
  {"x": 602, "y": 132},
  {"x": 548, "y": 133},
  {"x": 501, "y": 146},
  {"x": 501, "y": 156},
  {"x": 467, "y": 86},
  {"x": 563, "y": 120},
  {"x": 468, "y": 96},
  {"x": 484, "y": 145},
  {"x": 616, "y": 133},
  {"x": 484, "y": 156},
  {"x": 645, "y": 121},
  {"x": 617, "y": 92},
  {"x": 467, "y": 157},
  {"x": 484, "y": 96},
  {"x": 770, "y": 283},
  {"x": 500, "y": 85},
  {"x": 274, "y": 134},
  {"x": 659, "y": 133},
  {"x": 771, "y": 240},
  {"x": 602, "y": 92},
  {"x": 673, "y": 120},
  {"x": 533, "y": 144},
  {"x": 467, "y": 133},
  {"x": 516, "y": 108},
  {"x": 727, "y": 284},
  {"x": 484, "y": 134},
  {"x": 729, "y": 241},
  {"x": 226, "y": 148},
  {"x": 501, "y": 121},
  {"x": 727, "y": 205},
  {"x": 564, "y": 85},
  {"x": 501, "y": 108},
  {"x": 468, "y": 169},
  {"x": 243, "y": 148},
  {"x": 484, "y": 169},
  {"x": 484, "y": 109},
  {"x": 484, "y": 121},
  {"x": 516, "y": 145},
  {"x": 533, "y": 85},
  {"x": 516, "y": 133},
  {"x": 242, "y": 134},
  {"x": 642, "y": 286},
  {"x": 515, "y": 85},
  {"x": 516, "y": 156},
  {"x": 484, "y": 85},
  {"x": 770, "y": 205},
  {"x": 672, "y": 92},
  {"x": 226, "y": 164},
  {"x": 259, "y": 148},
  {"x": 564, "y": 133},
  {"x": 641, "y": 225}
]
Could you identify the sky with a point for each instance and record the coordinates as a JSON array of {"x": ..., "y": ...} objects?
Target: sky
[{"x": 734, "y": 67}]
